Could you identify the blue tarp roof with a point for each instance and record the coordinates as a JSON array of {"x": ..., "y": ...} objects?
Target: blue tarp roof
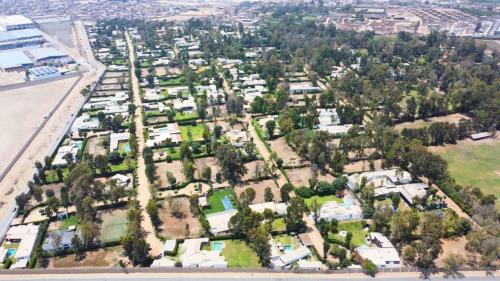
[{"x": 13, "y": 59}]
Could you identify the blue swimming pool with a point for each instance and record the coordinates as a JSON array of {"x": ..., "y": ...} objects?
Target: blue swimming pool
[
  {"x": 288, "y": 249},
  {"x": 227, "y": 203},
  {"x": 217, "y": 246},
  {"x": 11, "y": 252},
  {"x": 79, "y": 145},
  {"x": 127, "y": 147}
]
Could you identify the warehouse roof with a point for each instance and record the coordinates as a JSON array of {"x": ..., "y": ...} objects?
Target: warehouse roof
[
  {"x": 19, "y": 34},
  {"x": 13, "y": 59},
  {"x": 45, "y": 53}
]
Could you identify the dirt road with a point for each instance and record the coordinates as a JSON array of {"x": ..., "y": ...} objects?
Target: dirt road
[{"x": 143, "y": 187}]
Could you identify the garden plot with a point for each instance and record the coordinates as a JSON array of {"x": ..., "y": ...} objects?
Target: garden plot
[
  {"x": 260, "y": 188},
  {"x": 105, "y": 257},
  {"x": 97, "y": 145},
  {"x": 113, "y": 224},
  {"x": 286, "y": 153},
  {"x": 175, "y": 168},
  {"x": 300, "y": 176},
  {"x": 177, "y": 220}
]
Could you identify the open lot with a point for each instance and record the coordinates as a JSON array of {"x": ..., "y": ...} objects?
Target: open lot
[
  {"x": 253, "y": 168},
  {"x": 95, "y": 145},
  {"x": 452, "y": 118},
  {"x": 176, "y": 227},
  {"x": 22, "y": 111},
  {"x": 474, "y": 163},
  {"x": 300, "y": 176},
  {"x": 285, "y": 152},
  {"x": 175, "y": 168},
  {"x": 239, "y": 254},
  {"x": 105, "y": 257},
  {"x": 259, "y": 187},
  {"x": 114, "y": 224},
  {"x": 362, "y": 166},
  {"x": 211, "y": 162},
  {"x": 356, "y": 228}
]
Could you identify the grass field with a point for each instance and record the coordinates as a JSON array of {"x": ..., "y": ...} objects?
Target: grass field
[
  {"x": 322, "y": 199},
  {"x": 239, "y": 254},
  {"x": 173, "y": 82},
  {"x": 475, "y": 164},
  {"x": 215, "y": 201},
  {"x": 356, "y": 228},
  {"x": 179, "y": 116},
  {"x": 114, "y": 225},
  {"x": 66, "y": 223},
  {"x": 196, "y": 132},
  {"x": 279, "y": 224}
]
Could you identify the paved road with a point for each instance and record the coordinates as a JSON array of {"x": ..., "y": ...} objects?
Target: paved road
[
  {"x": 237, "y": 277},
  {"x": 143, "y": 188}
]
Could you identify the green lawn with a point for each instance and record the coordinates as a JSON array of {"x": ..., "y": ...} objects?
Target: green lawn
[
  {"x": 196, "y": 132},
  {"x": 123, "y": 166},
  {"x": 52, "y": 175},
  {"x": 279, "y": 224},
  {"x": 66, "y": 223},
  {"x": 215, "y": 200},
  {"x": 476, "y": 165},
  {"x": 287, "y": 240},
  {"x": 356, "y": 228},
  {"x": 239, "y": 254},
  {"x": 322, "y": 199},
  {"x": 173, "y": 82},
  {"x": 179, "y": 116}
]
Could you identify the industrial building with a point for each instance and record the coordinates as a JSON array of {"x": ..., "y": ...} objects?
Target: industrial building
[
  {"x": 14, "y": 61},
  {"x": 15, "y": 22},
  {"x": 20, "y": 38},
  {"x": 48, "y": 55}
]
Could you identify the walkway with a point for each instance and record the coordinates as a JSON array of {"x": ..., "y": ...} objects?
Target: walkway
[{"x": 143, "y": 187}]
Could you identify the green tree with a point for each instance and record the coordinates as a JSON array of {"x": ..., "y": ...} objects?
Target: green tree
[
  {"x": 369, "y": 268},
  {"x": 268, "y": 195}
]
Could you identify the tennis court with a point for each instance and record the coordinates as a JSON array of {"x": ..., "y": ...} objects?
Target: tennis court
[{"x": 114, "y": 225}]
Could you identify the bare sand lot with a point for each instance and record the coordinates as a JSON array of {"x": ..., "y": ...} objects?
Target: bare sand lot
[
  {"x": 253, "y": 168},
  {"x": 211, "y": 162},
  {"x": 22, "y": 111},
  {"x": 300, "y": 176},
  {"x": 105, "y": 257},
  {"x": 260, "y": 188},
  {"x": 95, "y": 145},
  {"x": 452, "y": 118},
  {"x": 175, "y": 168},
  {"x": 286, "y": 153},
  {"x": 362, "y": 166},
  {"x": 181, "y": 225},
  {"x": 8, "y": 78}
]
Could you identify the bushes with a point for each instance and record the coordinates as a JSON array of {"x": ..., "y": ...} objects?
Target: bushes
[
  {"x": 305, "y": 192},
  {"x": 38, "y": 244}
]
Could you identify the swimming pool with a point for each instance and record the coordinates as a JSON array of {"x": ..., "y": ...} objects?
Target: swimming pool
[
  {"x": 288, "y": 249},
  {"x": 79, "y": 145},
  {"x": 127, "y": 147},
  {"x": 11, "y": 252},
  {"x": 227, "y": 203},
  {"x": 217, "y": 246}
]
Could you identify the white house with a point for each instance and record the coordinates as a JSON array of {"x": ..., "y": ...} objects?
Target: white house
[
  {"x": 156, "y": 136},
  {"x": 194, "y": 256},
  {"x": 25, "y": 235},
  {"x": 346, "y": 210},
  {"x": 277, "y": 208},
  {"x": 84, "y": 122},
  {"x": 381, "y": 251},
  {"x": 382, "y": 178},
  {"x": 116, "y": 138},
  {"x": 71, "y": 148}
]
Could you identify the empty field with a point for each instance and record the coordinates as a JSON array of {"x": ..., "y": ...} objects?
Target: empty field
[
  {"x": 114, "y": 225},
  {"x": 175, "y": 227},
  {"x": 475, "y": 164}
]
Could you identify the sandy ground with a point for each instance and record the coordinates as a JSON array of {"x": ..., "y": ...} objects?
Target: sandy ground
[
  {"x": 300, "y": 176},
  {"x": 285, "y": 152},
  {"x": 143, "y": 188},
  {"x": 259, "y": 188},
  {"x": 105, "y": 257},
  {"x": 361, "y": 166},
  {"x": 8, "y": 78},
  {"x": 23, "y": 110},
  {"x": 211, "y": 162},
  {"x": 175, "y": 168},
  {"x": 456, "y": 246},
  {"x": 94, "y": 146},
  {"x": 252, "y": 167},
  {"x": 174, "y": 227},
  {"x": 113, "y": 74},
  {"x": 452, "y": 118}
]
